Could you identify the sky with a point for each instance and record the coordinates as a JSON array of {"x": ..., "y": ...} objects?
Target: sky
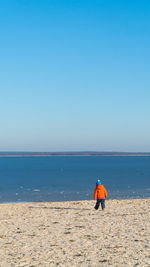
[{"x": 75, "y": 75}]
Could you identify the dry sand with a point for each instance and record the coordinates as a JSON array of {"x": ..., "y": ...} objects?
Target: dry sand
[{"x": 75, "y": 234}]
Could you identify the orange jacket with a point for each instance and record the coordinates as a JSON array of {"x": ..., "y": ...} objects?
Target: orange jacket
[{"x": 100, "y": 192}]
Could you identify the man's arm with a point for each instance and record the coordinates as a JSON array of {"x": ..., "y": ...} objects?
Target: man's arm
[
  {"x": 95, "y": 194},
  {"x": 105, "y": 192}
]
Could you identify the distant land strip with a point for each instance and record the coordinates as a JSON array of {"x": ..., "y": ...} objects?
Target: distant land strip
[{"x": 71, "y": 154}]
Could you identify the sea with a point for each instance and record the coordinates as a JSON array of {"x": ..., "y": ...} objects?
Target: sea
[{"x": 72, "y": 178}]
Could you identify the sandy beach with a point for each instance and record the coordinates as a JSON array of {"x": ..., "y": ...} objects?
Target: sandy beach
[{"x": 75, "y": 234}]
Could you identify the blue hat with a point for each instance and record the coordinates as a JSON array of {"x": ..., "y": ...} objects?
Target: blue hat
[{"x": 98, "y": 182}]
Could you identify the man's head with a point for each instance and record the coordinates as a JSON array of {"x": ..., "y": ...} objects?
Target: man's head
[{"x": 98, "y": 182}]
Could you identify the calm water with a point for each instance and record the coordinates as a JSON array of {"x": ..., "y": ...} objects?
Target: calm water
[{"x": 72, "y": 178}]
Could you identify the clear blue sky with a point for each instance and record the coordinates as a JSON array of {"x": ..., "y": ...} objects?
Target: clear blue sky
[{"x": 75, "y": 75}]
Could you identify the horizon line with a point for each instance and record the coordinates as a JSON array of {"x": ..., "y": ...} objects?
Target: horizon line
[{"x": 75, "y": 152}]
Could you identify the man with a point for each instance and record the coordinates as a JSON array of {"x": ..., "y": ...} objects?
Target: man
[{"x": 100, "y": 194}]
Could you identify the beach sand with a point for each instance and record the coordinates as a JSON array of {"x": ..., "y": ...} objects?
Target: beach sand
[{"x": 75, "y": 234}]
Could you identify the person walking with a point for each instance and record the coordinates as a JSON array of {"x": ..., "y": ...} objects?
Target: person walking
[{"x": 100, "y": 194}]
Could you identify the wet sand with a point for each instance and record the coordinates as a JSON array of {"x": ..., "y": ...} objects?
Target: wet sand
[{"x": 75, "y": 234}]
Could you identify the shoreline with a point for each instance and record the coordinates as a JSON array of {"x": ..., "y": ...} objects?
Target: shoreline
[{"x": 66, "y": 201}]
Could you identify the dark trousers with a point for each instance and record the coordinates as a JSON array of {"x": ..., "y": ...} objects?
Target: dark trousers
[{"x": 102, "y": 201}]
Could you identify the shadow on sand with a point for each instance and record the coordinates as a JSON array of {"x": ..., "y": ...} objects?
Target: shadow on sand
[{"x": 56, "y": 208}]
